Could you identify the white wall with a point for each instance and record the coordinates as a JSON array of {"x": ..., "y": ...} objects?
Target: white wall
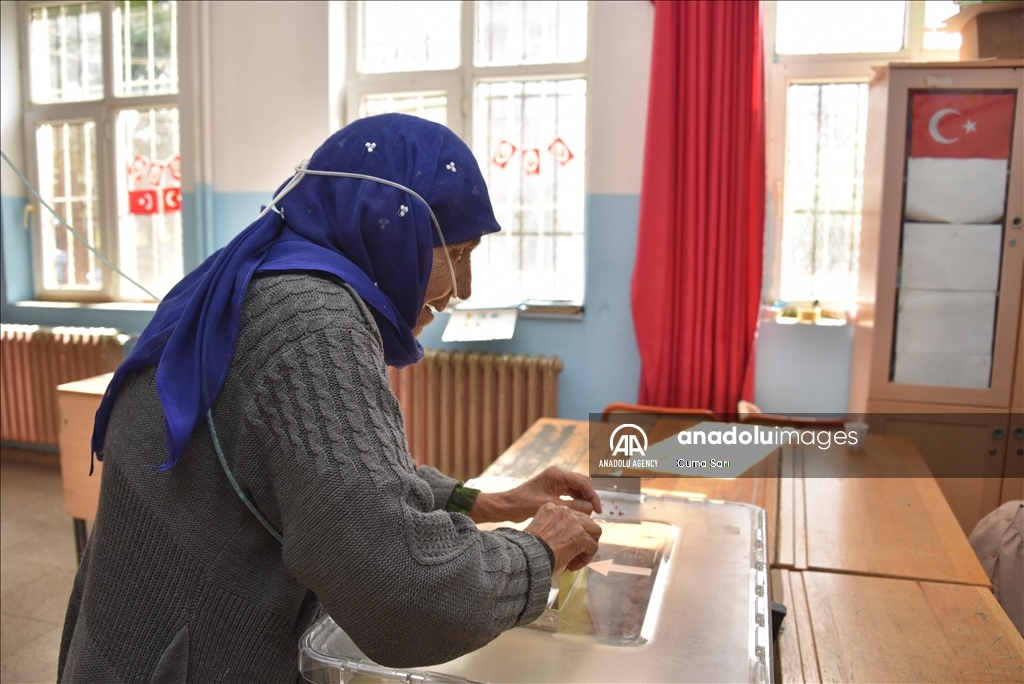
[
  {"x": 270, "y": 90},
  {"x": 11, "y": 135},
  {"x": 620, "y": 71},
  {"x": 256, "y": 99},
  {"x": 267, "y": 84}
]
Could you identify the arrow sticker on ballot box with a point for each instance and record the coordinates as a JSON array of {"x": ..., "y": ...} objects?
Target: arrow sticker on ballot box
[{"x": 606, "y": 566}]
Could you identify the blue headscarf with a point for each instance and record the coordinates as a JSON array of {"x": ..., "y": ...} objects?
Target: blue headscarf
[{"x": 375, "y": 238}]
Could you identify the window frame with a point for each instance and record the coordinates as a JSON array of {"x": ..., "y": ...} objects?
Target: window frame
[
  {"x": 103, "y": 112},
  {"x": 785, "y": 70},
  {"x": 459, "y": 86}
]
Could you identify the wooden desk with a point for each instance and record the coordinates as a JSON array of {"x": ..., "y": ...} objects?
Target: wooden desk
[
  {"x": 876, "y": 512},
  {"x": 854, "y": 628},
  {"x": 78, "y": 402}
]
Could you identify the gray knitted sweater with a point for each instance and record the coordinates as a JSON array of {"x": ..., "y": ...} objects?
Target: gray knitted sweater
[{"x": 180, "y": 582}]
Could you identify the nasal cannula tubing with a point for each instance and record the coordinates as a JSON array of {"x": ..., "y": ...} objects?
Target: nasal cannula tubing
[{"x": 300, "y": 171}]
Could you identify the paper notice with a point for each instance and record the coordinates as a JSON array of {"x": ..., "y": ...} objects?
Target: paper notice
[{"x": 480, "y": 324}]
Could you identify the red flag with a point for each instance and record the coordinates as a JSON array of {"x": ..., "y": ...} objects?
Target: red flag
[
  {"x": 959, "y": 150},
  {"x": 174, "y": 167},
  {"x": 143, "y": 202},
  {"x": 504, "y": 153},
  {"x": 531, "y": 161},
  {"x": 961, "y": 126},
  {"x": 156, "y": 173},
  {"x": 563, "y": 155},
  {"x": 171, "y": 199},
  {"x": 137, "y": 168}
]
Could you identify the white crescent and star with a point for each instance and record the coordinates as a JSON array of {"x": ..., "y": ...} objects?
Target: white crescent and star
[
  {"x": 171, "y": 199},
  {"x": 933, "y": 126}
]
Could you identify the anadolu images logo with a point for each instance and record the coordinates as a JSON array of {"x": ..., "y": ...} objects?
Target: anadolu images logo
[{"x": 628, "y": 444}]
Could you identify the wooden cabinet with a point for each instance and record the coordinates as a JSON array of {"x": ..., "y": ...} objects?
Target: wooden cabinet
[
  {"x": 965, "y": 449},
  {"x": 938, "y": 350},
  {"x": 1013, "y": 473}
]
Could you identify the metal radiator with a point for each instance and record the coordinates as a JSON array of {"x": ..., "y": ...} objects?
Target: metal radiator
[
  {"x": 33, "y": 361},
  {"x": 462, "y": 410}
]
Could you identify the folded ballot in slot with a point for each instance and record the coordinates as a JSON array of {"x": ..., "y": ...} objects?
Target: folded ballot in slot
[
  {"x": 677, "y": 592},
  {"x": 610, "y": 599}
]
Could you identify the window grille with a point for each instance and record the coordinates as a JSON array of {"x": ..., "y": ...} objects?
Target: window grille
[
  {"x": 120, "y": 189},
  {"x": 511, "y": 79}
]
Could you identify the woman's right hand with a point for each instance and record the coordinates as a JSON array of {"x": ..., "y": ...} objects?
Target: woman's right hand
[{"x": 571, "y": 535}]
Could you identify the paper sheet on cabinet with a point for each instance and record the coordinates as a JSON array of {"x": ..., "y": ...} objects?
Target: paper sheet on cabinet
[{"x": 951, "y": 256}]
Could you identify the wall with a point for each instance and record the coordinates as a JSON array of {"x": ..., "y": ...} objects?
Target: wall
[
  {"x": 803, "y": 369},
  {"x": 259, "y": 104}
]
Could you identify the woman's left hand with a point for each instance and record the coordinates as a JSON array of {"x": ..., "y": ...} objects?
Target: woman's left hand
[{"x": 548, "y": 486}]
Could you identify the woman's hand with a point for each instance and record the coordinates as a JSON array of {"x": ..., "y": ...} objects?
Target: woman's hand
[
  {"x": 571, "y": 535},
  {"x": 523, "y": 502}
]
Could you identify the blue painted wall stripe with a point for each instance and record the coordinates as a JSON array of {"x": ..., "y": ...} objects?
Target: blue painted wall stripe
[{"x": 17, "y": 250}]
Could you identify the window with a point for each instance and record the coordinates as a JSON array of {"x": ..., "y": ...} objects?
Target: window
[
  {"x": 102, "y": 141},
  {"x": 511, "y": 79},
  {"x": 820, "y": 59}
]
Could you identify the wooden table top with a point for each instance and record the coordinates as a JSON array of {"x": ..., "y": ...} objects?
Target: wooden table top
[
  {"x": 875, "y": 512},
  {"x": 855, "y": 628}
]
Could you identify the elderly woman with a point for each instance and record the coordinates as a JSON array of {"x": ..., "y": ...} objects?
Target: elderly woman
[{"x": 256, "y": 471}]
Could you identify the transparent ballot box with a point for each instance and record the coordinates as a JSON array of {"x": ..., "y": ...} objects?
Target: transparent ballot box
[{"x": 678, "y": 592}]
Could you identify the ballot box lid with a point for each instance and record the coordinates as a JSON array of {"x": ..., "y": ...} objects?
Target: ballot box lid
[{"x": 678, "y": 592}]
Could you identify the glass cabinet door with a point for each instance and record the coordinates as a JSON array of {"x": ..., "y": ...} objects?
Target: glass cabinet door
[{"x": 957, "y": 168}]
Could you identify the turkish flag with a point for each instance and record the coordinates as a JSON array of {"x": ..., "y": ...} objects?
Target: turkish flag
[
  {"x": 156, "y": 173},
  {"x": 531, "y": 161},
  {"x": 959, "y": 151},
  {"x": 563, "y": 155},
  {"x": 503, "y": 154},
  {"x": 137, "y": 168},
  {"x": 959, "y": 126},
  {"x": 171, "y": 199},
  {"x": 143, "y": 202},
  {"x": 174, "y": 167}
]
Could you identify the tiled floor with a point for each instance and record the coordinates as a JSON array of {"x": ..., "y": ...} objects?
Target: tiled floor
[{"x": 37, "y": 570}]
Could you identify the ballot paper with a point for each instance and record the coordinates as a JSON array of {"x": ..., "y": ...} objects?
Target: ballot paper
[{"x": 474, "y": 325}]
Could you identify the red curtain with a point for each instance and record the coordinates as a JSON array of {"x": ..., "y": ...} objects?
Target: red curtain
[{"x": 697, "y": 279}]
